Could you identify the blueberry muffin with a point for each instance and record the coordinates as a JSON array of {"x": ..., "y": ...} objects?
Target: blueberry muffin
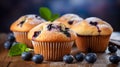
[
  {"x": 21, "y": 27},
  {"x": 69, "y": 20},
  {"x": 92, "y": 34},
  {"x": 52, "y": 40}
]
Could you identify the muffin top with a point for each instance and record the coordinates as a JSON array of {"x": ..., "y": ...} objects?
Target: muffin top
[
  {"x": 92, "y": 26},
  {"x": 26, "y": 22},
  {"x": 69, "y": 19},
  {"x": 51, "y": 32}
]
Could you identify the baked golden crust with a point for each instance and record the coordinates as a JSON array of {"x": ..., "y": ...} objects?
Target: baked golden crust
[
  {"x": 56, "y": 33},
  {"x": 69, "y": 20},
  {"x": 25, "y": 23},
  {"x": 92, "y": 26}
]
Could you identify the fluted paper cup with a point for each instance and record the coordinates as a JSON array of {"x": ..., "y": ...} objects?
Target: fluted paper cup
[
  {"x": 52, "y": 51},
  {"x": 22, "y": 37},
  {"x": 92, "y": 43}
]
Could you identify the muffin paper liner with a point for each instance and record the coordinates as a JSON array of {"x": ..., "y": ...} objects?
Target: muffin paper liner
[
  {"x": 92, "y": 43},
  {"x": 52, "y": 51},
  {"x": 22, "y": 38}
]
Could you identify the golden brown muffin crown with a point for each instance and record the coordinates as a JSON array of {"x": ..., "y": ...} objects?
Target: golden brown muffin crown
[
  {"x": 69, "y": 19},
  {"x": 92, "y": 26},
  {"x": 51, "y": 32},
  {"x": 26, "y": 22}
]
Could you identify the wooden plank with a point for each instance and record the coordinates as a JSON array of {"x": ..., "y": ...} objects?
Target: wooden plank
[
  {"x": 57, "y": 64},
  {"x": 71, "y": 65},
  {"x": 3, "y": 51},
  {"x": 28, "y": 64},
  {"x": 4, "y": 60}
]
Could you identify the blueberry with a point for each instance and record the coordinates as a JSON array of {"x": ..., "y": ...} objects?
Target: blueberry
[
  {"x": 37, "y": 16},
  {"x": 98, "y": 29},
  {"x": 79, "y": 57},
  {"x": 91, "y": 57},
  {"x": 26, "y": 56},
  {"x": 49, "y": 27},
  {"x": 68, "y": 59},
  {"x": 36, "y": 33},
  {"x": 112, "y": 48},
  {"x": 70, "y": 22},
  {"x": 60, "y": 28},
  {"x": 67, "y": 33},
  {"x": 11, "y": 37},
  {"x": 21, "y": 23},
  {"x": 93, "y": 23},
  {"x": 67, "y": 29},
  {"x": 37, "y": 58},
  {"x": 114, "y": 59},
  {"x": 7, "y": 44}
]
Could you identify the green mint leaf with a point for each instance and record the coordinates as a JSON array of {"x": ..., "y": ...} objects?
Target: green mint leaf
[
  {"x": 54, "y": 16},
  {"x": 45, "y": 13},
  {"x": 17, "y": 49}
]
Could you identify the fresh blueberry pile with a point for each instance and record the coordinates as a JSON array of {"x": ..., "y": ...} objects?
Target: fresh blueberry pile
[
  {"x": 113, "y": 58},
  {"x": 79, "y": 57},
  {"x": 25, "y": 55},
  {"x": 92, "y": 57},
  {"x": 28, "y": 56},
  {"x": 10, "y": 41}
]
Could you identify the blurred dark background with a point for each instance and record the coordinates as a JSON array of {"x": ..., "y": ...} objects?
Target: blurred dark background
[{"x": 108, "y": 10}]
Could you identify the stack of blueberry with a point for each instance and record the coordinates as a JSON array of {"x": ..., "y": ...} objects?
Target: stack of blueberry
[
  {"x": 113, "y": 58},
  {"x": 92, "y": 57},
  {"x": 36, "y": 58},
  {"x": 10, "y": 41},
  {"x": 25, "y": 55}
]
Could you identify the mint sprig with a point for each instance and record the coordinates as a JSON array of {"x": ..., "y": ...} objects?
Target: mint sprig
[
  {"x": 54, "y": 16},
  {"x": 47, "y": 14},
  {"x": 18, "y": 49}
]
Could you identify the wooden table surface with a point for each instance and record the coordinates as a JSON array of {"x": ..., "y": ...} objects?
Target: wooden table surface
[{"x": 6, "y": 61}]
